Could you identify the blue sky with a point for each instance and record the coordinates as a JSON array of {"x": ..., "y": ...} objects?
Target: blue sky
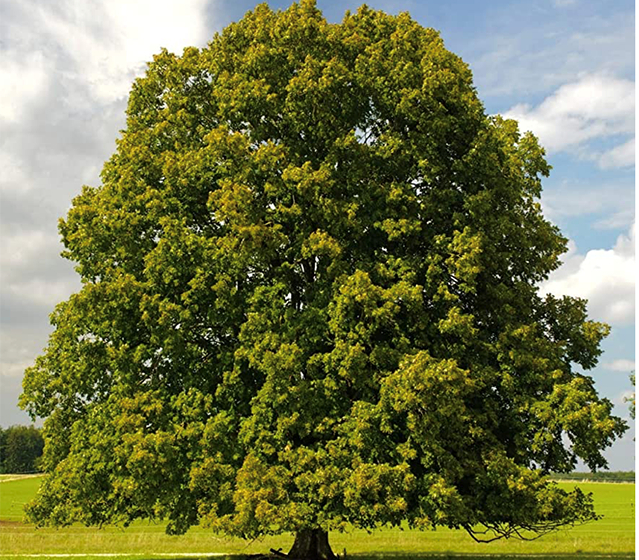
[{"x": 563, "y": 68}]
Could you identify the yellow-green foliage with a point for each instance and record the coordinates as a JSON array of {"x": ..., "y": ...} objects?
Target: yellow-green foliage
[{"x": 309, "y": 300}]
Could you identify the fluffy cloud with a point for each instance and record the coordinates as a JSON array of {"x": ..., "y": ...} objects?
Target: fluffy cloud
[
  {"x": 605, "y": 277},
  {"x": 595, "y": 106},
  {"x": 109, "y": 42}
]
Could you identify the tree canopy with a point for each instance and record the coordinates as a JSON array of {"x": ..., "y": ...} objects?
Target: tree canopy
[{"x": 310, "y": 301}]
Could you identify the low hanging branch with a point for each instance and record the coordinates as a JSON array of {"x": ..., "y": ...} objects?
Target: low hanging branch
[{"x": 534, "y": 530}]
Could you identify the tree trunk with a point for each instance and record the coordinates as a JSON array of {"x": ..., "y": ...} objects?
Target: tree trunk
[{"x": 311, "y": 544}]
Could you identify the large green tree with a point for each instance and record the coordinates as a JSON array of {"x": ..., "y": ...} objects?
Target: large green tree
[{"x": 310, "y": 301}]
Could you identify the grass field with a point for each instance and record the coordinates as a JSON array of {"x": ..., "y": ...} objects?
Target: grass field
[{"x": 611, "y": 537}]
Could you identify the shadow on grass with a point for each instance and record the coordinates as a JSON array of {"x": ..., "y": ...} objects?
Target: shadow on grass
[
  {"x": 448, "y": 556},
  {"x": 488, "y": 556}
]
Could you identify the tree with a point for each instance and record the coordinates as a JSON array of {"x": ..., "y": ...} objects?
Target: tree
[
  {"x": 631, "y": 398},
  {"x": 20, "y": 449},
  {"x": 310, "y": 301}
]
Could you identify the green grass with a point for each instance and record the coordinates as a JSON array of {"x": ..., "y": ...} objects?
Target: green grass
[
  {"x": 15, "y": 491},
  {"x": 611, "y": 537}
]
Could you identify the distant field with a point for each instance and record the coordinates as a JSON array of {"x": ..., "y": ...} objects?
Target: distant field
[
  {"x": 9, "y": 477},
  {"x": 611, "y": 537}
]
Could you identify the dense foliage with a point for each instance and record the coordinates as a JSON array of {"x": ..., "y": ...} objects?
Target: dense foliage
[
  {"x": 310, "y": 300},
  {"x": 20, "y": 449}
]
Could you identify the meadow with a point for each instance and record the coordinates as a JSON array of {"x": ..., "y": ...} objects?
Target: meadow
[{"x": 611, "y": 537}]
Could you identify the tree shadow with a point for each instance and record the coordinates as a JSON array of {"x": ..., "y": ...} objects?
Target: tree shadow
[
  {"x": 489, "y": 556},
  {"x": 449, "y": 556}
]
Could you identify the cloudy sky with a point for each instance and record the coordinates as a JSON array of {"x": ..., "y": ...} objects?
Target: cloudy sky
[{"x": 563, "y": 68}]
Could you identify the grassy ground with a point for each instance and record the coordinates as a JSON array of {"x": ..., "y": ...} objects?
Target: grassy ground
[{"x": 611, "y": 537}]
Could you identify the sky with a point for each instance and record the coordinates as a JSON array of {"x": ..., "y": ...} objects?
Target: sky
[{"x": 563, "y": 68}]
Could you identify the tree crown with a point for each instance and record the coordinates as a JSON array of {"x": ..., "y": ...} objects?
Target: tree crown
[{"x": 310, "y": 299}]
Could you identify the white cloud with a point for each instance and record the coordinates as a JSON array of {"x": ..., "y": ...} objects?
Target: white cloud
[
  {"x": 22, "y": 79},
  {"x": 620, "y": 365},
  {"x": 605, "y": 277},
  {"x": 595, "y": 106},
  {"x": 109, "y": 42},
  {"x": 620, "y": 156}
]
